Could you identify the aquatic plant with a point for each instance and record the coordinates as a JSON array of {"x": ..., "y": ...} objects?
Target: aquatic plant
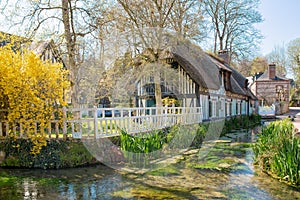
[
  {"x": 277, "y": 151},
  {"x": 142, "y": 143},
  {"x": 179, "y": 137},
  {"x": 241, "y": 122}
]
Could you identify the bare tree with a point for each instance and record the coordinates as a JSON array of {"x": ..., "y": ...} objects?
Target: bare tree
[
  {"x": 187, "y": 20},
  {"x": 293, "y": 51},
  {"x": 145, "y": 14},
  {"x": 70, "y": 23},
  {"x": 232, "y": 24},
  {"x": 183, "y": 17},
  {"x": 279, "y": 57},
  {"x": 244, "y": 67},
  {"x": 259, "y": 64}
]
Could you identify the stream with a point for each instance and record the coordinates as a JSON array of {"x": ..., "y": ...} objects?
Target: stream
[{"x": 227, "y": 172}]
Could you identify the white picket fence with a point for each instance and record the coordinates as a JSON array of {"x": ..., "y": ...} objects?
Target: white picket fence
[
  {"x": 267, "y": 111},
  {"x": 106, "y": 122}
]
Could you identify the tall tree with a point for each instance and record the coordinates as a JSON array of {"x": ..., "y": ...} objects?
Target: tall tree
[
  {"x": 232, "y": 24},
  {"x": 244, "y": 67}
]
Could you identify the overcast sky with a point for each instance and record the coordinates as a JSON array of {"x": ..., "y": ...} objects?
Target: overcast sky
[{"x": 282, "y": 23}]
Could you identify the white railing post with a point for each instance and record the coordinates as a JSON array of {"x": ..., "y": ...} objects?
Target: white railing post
[
  {"x": 96, "y": 123},
  {"x": 1, "y": 132},
  {"x": 64, "y": 122}
]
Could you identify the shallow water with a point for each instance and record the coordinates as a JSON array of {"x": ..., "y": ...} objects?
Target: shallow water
[{"x": 235, "y": 178}]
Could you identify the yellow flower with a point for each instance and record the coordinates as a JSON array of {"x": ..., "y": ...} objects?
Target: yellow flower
[{"x": 29, "y": 89}]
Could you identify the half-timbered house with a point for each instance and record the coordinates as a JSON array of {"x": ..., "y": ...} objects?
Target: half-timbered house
[
  {"x": 47, "y": 50},
  {"x": 203, "y": 80}
]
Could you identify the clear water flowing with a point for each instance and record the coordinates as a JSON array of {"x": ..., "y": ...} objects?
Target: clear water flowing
[{"x": 177, "y": 181}]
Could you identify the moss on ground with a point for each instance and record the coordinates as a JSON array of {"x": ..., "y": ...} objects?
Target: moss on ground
[
  {"x": 170, "y": 170},
  {"x": 221, "y": 157}
]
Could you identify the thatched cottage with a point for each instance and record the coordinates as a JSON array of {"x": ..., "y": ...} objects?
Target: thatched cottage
[{"x": 199, "y": 80}]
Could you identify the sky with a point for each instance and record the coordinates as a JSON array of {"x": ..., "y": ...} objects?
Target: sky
[{"x": 281, "y": 23}]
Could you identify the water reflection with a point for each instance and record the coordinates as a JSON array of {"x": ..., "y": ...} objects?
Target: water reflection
[{"x": 30, "y": 189}]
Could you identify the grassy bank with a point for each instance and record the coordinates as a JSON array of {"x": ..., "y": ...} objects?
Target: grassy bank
[{"x": 277, "y": 151}]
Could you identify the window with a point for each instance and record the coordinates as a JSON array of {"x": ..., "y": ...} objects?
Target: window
[{"x": 280, "y": 96}]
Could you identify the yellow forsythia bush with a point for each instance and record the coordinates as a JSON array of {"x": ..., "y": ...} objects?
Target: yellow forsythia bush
[{"x": 31, "y": 91}]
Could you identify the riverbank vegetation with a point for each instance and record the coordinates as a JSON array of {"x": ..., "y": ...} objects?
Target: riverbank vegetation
[
  {"x": 277, "y": 151},
  {"x": 180, "y": 137}
]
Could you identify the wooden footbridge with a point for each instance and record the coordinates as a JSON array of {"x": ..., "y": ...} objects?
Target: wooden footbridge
[{"x": 107, "y": 122}]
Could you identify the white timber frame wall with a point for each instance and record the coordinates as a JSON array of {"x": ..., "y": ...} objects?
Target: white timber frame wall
[
  {"x": 228, "y": 107},
  {"x": 204, "y": 104},
  {"x": 184, "y": 89},
  {"x": 187, "y": 88}
]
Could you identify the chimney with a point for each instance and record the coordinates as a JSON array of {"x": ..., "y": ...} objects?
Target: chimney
[
  {"x": 224, "y": 55},
  {"x": 272, "y": 71}
]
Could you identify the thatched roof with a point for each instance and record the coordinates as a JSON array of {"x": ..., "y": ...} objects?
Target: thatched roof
[
  {"x": 238, "y": 83},
  {"x": 241, "y": 81},
  {"x": 251, "y": 95},
  {"x": 196, "y": 63},
  {"x": 236, "y": 87},
  {"x": 204, "y": 68}
]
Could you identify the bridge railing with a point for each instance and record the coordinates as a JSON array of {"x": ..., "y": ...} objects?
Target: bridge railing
[{"x": 105, "y": 122}]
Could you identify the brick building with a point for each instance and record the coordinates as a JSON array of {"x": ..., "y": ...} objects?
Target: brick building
[{"x": 271, "y": 89}]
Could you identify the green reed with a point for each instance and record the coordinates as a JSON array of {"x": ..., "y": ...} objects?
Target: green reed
[{"x": 277, "y": 151}]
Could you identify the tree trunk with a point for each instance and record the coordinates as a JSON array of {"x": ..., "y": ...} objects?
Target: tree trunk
[
  {"x": 70, "y": 42},
  {"x": 158, "y": 98}
]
